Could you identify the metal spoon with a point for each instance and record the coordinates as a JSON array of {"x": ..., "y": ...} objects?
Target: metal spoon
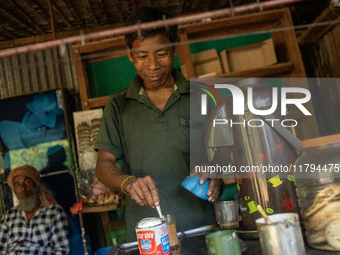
[{"x": 159, "y": 211}]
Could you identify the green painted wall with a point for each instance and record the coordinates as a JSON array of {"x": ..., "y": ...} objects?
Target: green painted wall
[{"x": 109, "y": 76}]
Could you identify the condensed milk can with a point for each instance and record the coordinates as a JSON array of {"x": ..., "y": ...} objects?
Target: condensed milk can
[{"x": 152, "y": 237}]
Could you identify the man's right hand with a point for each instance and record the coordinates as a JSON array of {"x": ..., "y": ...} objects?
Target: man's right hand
[{"x": 143, "y": 191}]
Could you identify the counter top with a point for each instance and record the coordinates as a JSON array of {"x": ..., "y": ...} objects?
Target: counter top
[
  {"x": 254, "y": 248},
  {"x": 194, "y": 244}
]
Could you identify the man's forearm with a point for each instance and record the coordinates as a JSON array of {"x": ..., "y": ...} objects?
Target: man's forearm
[{"x": 107, "y": 172}]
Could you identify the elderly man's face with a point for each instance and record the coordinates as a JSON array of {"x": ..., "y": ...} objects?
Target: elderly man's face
[
  {"x": 153, "y": 61},
  {"x": 24, "y": 187}
]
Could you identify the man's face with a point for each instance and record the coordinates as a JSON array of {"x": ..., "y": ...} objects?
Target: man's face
[
  {"x": 153, "y": 61},
  {"x": 24, "y": 187}
]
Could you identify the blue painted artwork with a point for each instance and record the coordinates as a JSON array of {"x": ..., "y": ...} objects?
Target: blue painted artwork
[{"x": 27, "y": 125}]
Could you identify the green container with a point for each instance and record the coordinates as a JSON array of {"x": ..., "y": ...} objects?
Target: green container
[
  {"x": 117, "y": 237},
  {"x": 223, "y": 242},
  {"x": 229, "y": 192}
]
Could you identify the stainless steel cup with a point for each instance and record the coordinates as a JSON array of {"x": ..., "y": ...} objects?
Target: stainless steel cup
[{"x": 281, "y": 235}]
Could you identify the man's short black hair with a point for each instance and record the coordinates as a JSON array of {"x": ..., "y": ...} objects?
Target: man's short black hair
[{"x": 150, "y": 13}]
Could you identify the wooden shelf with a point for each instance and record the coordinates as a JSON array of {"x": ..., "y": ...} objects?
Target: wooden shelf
[
  {"x": 286, "y": 47},
  {"x": 97, "y": 102},
  {"x": 98, "y": 209},
  {"x": 268, "y": 71}
]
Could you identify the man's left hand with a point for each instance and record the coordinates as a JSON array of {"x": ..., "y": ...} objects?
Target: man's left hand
[
  {"x": 215, "y": 183},
  {"x": 214, "y": 187}
]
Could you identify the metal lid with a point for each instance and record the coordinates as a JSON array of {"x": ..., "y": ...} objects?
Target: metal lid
[
  {"x": 149, "y": 222},
  {"x": 323, "y": 140}
]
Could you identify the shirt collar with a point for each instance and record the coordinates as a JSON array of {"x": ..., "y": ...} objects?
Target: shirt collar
[
  {"x": 142, "y": 90},
  {"x": 136, "y": 86}
]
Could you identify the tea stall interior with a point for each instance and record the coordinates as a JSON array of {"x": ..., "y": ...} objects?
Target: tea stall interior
[{"x": 66, "y": 85}]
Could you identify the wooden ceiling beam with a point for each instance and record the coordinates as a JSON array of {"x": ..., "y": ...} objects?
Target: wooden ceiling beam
[
  {"x": 92, "y": 13},
  {"x": 55, "y": 8},
  {"x": 7, "y": 33},
  {"x": 30, "y": 21},
  {"x": 102, "y": 8},
  {"x": 194, "y": 4},
  {"x": 41, "y": 11},
  {"x": 48, "y": 37},
  {"x": 73, "y": 10},
  {"x": 23, "y": 24}
]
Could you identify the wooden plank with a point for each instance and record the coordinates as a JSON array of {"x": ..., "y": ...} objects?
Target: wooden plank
[
  {"x": 99, "y": 208},
  {"x": 101, "y": 45},
  {"x": 23, "y": 14},
  {"x": 73, "y": 10},
  {"x": 226, "y": 32},
  {"x": 97, "y": 102},
  {"x": 242, "y": 20},
  {"x": 61, "y": 15},
  {"x": 82, "y": 80},
  {"x": 106, "y": 57},
  {"x": 292, "y": 46},
  {"x": 324, "y": 58},
  {"x": 269, "y": 71},
  {"x": 318, "y": 60},
  {"x": 24, "y": 27},
  {"x": 41, "y": 11},
  {"x": 316, "y": 32},
  {"x": 336, "y": 38},
  {"x": 92, "y": 13},
  {"x": 329, "y": 53},
  {"x": 49, "y": 37},
  {"x": 102, "y": 10},
  {"x": 7, "y": 33},
  {"x": 185, "y": 56}
]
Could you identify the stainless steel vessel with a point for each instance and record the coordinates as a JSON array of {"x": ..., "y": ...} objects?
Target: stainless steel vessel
[{"x": 262, "y": 157}]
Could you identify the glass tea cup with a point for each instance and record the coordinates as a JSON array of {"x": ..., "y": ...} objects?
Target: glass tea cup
[
  {"x": 227, "y": 214},
  {"x": 172, "y": 231}
]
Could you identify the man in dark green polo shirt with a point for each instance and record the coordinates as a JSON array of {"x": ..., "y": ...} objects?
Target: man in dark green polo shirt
[{"x": 147, "y": 126}]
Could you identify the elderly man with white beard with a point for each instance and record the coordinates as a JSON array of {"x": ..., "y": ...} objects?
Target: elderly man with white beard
[{"x": 38, "y": 225}]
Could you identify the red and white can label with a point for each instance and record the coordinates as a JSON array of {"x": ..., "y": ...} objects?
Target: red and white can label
[{"x": 153, "y": 240}]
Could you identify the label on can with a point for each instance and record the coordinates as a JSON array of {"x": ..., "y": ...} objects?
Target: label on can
[{"x": 153, "y": 239}]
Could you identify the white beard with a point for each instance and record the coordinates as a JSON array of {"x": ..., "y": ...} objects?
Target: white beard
[{"x": 28, "y": 203}]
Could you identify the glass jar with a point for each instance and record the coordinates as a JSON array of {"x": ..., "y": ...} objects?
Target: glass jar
[{"x": 317, "y": 179}]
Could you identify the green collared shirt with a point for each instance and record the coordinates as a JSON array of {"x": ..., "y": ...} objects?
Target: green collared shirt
[{"x": 156, "y": 143}]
